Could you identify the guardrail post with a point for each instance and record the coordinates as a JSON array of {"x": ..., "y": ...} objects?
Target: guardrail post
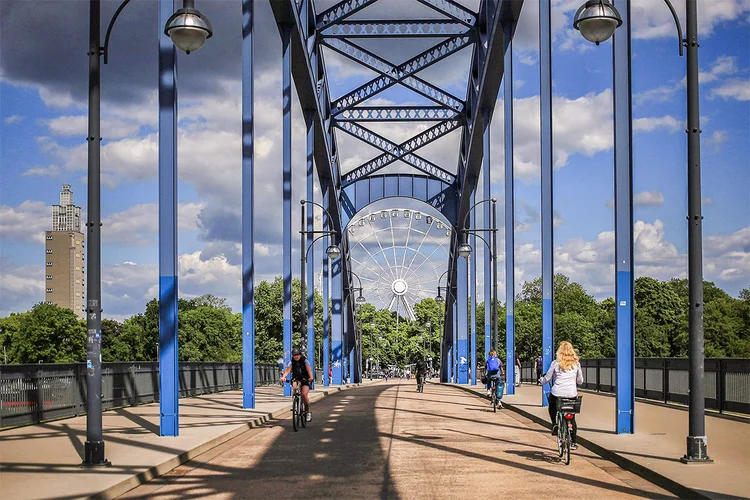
[{"x": 665, "y": 378}]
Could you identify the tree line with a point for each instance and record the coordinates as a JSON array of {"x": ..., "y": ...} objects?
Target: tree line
[{"x": 208, "y": 330}]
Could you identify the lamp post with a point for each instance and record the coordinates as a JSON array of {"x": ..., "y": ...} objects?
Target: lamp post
[
  {"x": 332, "y": 252},
  {"x": 464, "y": 250},
  {"x": 372, "y": 329},
  {"x": 428, "y": 325},
  {"x": 597, "y": 21},
  {"x": 94, "y": 447}
]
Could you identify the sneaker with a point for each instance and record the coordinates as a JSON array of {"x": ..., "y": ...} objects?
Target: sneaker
[
  {"x": 573, "y": 446},
  {"x": 489, "y": 393},
  {"x": 500, "y": 404},
  {"x": 309, "y": 416},
  {"x": 554, "y": 430}
]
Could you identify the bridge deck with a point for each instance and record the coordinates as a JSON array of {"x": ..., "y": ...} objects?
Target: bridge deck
[{"x": 380, "y": 440}]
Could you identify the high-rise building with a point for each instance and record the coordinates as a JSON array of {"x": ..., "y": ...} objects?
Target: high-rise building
[{"x": 65, "y": 251}]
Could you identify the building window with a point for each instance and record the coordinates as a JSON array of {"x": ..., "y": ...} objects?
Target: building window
[
  {"x": 49, "y": 264},
  {"x": 49, "y": 276},
  {"x": 49, "y": 250},
  {"x": 49, "y": 302},
  {"x": 49, "y": 238},
  {"x": 49, "y": 290}
]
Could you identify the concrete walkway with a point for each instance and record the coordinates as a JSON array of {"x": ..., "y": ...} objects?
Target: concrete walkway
[
  {"x": 386, "y": 441},
  {"x": 43, "y": 461},
  {"x": 655, "y": 449}
]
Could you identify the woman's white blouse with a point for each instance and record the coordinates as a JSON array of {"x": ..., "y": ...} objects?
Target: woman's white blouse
[{"x": 564, "y": 382}]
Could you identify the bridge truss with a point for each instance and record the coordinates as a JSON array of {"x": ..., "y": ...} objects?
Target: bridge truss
[{"x": 451, "y": 190}]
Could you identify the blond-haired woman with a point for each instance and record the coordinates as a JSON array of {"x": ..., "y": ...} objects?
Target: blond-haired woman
[{"x": 565, "y": 374}]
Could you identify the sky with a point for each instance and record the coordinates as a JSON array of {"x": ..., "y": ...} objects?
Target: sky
[{"x": 43, "y": 123}]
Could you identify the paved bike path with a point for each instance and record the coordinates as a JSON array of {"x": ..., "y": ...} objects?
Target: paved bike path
[
  {"x": 658, "y": 443},
  {"x": 386, "y": 440},
  {"x": 43, "y": 461}
]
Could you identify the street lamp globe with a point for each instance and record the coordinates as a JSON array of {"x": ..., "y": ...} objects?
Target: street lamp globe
[
  {"x": 597, "y": 20},
  {"x": 188, "y": 28},
  {"x": 361, "y": 299},
  {"x": 428, "y": 325},
  {"x": 464, "y": 250},
  {"x": 333, "y": 252},
  {"x": 439, "y": 299}
]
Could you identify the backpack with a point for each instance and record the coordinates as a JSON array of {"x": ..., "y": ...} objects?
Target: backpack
[{"x": 493, "y": 363}]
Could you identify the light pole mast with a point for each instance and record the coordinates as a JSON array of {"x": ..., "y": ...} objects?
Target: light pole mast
[{"x": 697, "y": 446}]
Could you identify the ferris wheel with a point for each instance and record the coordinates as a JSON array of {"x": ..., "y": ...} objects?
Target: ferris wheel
[{"x": 399, "y": 254}]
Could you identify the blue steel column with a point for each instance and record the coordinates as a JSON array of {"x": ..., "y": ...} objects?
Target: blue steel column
[
  {"x": 473, "y": 292},
  {"x": 624, "y": 332},
  {"x": 248, "y": 145},
  {"x": 545, "y": 103},
  {"x": 325, "y": 188},
  {"x": 168, "y": 349},
  {"x": 286, "y": 148},
  {"x": 309, "y": 122},
  {"x": 487, "y": 188},
  {"x": 510, "y": 291},
  {"x": 462, "y": 354},
  {"x": 337, "y": 347}
]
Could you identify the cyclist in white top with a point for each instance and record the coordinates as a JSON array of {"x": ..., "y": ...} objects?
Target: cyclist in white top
[{"x": 565, "y": 374}]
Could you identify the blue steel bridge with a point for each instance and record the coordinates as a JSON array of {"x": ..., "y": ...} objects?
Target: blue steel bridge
[{"x": 399, "y": 180}]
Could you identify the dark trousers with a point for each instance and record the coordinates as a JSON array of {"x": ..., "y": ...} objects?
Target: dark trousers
[
  {"x": 538, "y": 376},
  {"x": 553, "y": 415}
]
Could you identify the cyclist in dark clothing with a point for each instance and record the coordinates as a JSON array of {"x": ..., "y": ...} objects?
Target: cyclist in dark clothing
[
  {"x": 420, "y": 370},
  {"x": 301, "y": 374}
]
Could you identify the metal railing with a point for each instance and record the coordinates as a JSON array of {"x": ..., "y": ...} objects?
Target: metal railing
[
  {"x": 666, "y": 380},
  {"x": 34, "y": 393}
]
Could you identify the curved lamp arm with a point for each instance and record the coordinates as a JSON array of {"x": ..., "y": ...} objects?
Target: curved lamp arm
[
  {"x": 488, "y": 200},
  {"x": 677, "y": 23},
  {"x": 105, "y": 50}
]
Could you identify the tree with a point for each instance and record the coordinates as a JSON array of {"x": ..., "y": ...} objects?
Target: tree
[{"x": 50, "y": 334}]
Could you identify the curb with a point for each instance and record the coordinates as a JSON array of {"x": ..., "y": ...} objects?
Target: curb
[
  {"x": 160, "y": 469},
  {"x": 629, "y": 465}
]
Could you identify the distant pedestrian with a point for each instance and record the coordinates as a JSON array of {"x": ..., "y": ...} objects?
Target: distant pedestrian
[
  {"x": 517, "y": 374},
  {"x": 538, "y": 368},
  {"x": 280, "y": 363}
]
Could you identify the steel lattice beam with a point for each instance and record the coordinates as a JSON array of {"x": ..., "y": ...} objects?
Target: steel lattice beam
[
  {"x": 401, "y": 152},
  {"x": 416, "y": 142},
  {"x": 397, "y": 114},
  {"x": 394, "y": 29},
  {"x": 403, "y": 73},
  {"x": 453, "y": 10},
  {"x": 339, "y": 12}
]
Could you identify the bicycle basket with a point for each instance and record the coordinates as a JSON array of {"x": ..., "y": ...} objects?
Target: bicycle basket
[{"x": 569, "y": 405}]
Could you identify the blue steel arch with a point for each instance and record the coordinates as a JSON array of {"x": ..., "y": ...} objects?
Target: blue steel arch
[{"x": 367, "y": 190}]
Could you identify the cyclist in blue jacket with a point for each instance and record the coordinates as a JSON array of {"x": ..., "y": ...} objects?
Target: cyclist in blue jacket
[
  {"x": 301, "y": 374},
  {"x": 494, "y": 369}
]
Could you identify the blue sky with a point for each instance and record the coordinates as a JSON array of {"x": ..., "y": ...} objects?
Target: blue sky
[{"x": 43, "y": 85}]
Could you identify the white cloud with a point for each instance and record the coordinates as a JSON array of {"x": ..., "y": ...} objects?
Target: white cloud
[
  {"x": 13, "y": 119},
  {"x": 25, "y": 222},
  {"x": 645, "y": 199},
  {"x": 733, "y": 89},
  {"x": 139, "y": 224},
  {"x": 649, "y": 124}
]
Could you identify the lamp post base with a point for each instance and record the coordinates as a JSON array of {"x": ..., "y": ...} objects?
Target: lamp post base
[
  {"x": 697, "y": 451},
  {"x": 93, "y": 455}
]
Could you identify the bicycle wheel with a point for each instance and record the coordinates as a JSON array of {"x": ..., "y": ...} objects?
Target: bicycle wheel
[
  {"x": 560, "y": 436},
  {"x": 295, "y": 412},
  {"x": 566, "y": 444},
  {"x": 303, "y": 415},
  {"x": 494, "y": 400}
]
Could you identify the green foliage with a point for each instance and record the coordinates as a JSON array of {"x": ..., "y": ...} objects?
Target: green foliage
[
  {"x": 45, "y": 334},
  {"x": 209, "y": 331}
]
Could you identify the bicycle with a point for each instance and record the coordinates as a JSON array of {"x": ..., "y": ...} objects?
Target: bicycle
[
  {"x": 496, "y": 384},
  {"x": 566, "y": 410},
  {"x": 299, "y": 416}
]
